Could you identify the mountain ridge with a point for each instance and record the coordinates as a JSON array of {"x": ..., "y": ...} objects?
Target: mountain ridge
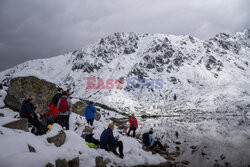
[{"x": 199, "y": 76}]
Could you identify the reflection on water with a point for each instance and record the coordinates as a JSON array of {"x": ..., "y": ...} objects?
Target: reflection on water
[{"x": 219, "y": 140}]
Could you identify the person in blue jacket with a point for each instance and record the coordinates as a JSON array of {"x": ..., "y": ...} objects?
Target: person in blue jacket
[
  {"x": 153, "y": 142},
  {"x": 109, "y": 142},
  {"x": 90, "y": 113}
]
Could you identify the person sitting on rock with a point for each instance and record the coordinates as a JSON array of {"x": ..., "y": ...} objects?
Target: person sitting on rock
[
  {"x": 90, "y": 113},
  {"x": 153, "y": 142},
  {"x": 64, "y": 107},
  {"x": 133, "y": 124},
  {"x": 109, "y": 142},
  {"x": 28, "y": 110}
]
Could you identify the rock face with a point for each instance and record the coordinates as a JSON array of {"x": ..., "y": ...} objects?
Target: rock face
[
  {"x": 59, "y": 139},
  {"x": 21, "y": 124},
  {"x": 79, "y": 108},
  {"x": 23, "y": 87}
]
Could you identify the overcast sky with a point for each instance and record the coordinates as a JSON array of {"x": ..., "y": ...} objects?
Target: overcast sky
[{"x": 31, "y": 29}]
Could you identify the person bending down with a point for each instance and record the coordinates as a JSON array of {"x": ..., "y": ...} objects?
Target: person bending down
[
  {"x": 109, "y": 142},
  {"x": 153, "y": 142}
]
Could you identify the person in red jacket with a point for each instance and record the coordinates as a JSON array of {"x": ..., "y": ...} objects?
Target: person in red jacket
[
  {"x": 53, "y": 111},
  {"x": 133, "y": 125}
]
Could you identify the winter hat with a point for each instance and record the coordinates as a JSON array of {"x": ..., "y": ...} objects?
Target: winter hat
[
  {"x": 151, "y": 130},
  {"x": 30, "y": 98},
  {"x": 59, "y": 89}
]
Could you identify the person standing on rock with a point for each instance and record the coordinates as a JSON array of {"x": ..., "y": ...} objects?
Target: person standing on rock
[
  {"x": 109, "y": 142},
  {"x": 28, "y": 110},
  {"x": 153, "y": 142},
  {"x": 55, "y": 99},
  {"x": 90, "y": 113},
  {"x": 133, "y": 125},
  {"x": 64, "y": 109}
]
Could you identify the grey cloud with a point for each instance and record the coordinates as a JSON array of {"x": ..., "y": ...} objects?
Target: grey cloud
[{"x": 33, "y": 29}]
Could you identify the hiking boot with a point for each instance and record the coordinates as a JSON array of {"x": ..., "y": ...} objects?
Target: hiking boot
[{"x": 121, "y": 156}]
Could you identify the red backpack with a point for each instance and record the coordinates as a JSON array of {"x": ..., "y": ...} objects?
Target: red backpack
[{"x": 63, "y": 107}]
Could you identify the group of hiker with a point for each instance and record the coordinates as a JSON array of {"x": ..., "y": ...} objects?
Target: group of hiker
[{"x": 59, "y": 112}]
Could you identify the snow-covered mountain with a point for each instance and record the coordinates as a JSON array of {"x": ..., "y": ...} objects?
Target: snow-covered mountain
[{"x": 187, "y": 75}]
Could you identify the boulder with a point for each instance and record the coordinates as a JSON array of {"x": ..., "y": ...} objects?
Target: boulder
[
  {"x": 62, "y": 163},
  {"x": 100, "y": 162},
  {"x": 21, "y": 124},
  {"x": 59, "y": 139},
  {"x": 74, "y": 162},
  {"x": 31, "y": 149},
  {"x": 22, "y": 87},
  {"x": 79, "y": 108},
  {"x": 97, "y": 116},
  {"x": 87, "y": 129}
]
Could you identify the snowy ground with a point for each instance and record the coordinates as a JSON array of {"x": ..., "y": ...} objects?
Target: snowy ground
[
  {"x": 224, "y": 140},
  {"x": 14, "y": 145}
]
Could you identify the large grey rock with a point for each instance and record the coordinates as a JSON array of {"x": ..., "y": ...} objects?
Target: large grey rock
[
  {"x": 74, "y": 162},
  {"x": 59, "y": 139},
  {"x": 79, "y": 108},
  {"x": 97, "y": 116},
  {"x": 21, "y": 124},
  {"x": 62, "y": 163},
  {"x": 23, "y": 87}
]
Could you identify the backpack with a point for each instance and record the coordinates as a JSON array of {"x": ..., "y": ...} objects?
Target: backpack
[
  {"x": 63, "y": 107},
  {"x": 145, "y": 139}
]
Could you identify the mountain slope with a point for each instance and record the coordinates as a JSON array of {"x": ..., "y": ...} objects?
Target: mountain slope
[{"x": 191, "y": 75}]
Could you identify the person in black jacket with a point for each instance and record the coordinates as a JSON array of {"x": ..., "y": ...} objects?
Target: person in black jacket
[
  {"x": 28, "y": 111},
  {"x": 57, "y": 96},
  {"x": 55, "y": 100},
  {"x": 109, "y": 142}
]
